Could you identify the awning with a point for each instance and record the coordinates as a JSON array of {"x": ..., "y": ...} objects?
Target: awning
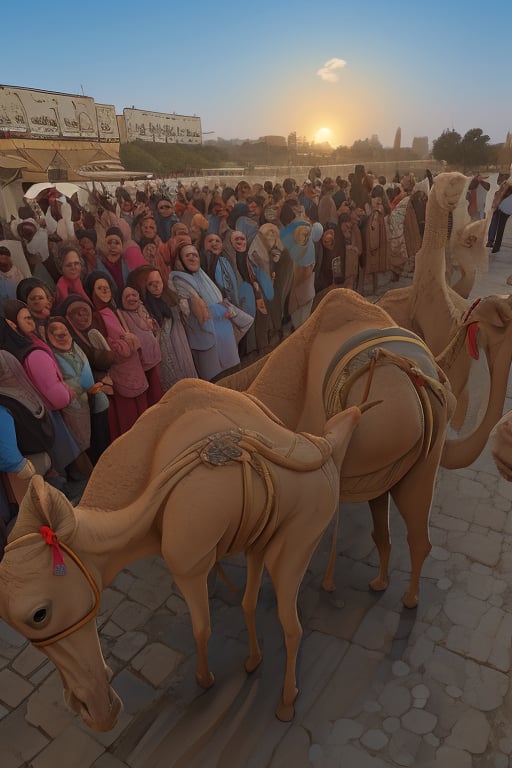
[
  {"x": 8, "y": 161},
  {"x": 36, "y": 157}
]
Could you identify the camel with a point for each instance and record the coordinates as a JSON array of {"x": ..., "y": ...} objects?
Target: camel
[
  {"x": 204, "y": 474},
  {"x": 471, "y": 341},
  {"x": 500, "y": 441},
  {"x": 407, "y": 306},
  {"x": 326, "y": 365}
]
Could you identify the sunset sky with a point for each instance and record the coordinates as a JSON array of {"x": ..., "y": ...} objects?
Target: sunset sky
[{"x": 327, "y": 69}]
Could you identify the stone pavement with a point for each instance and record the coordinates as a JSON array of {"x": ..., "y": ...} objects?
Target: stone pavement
[{"x": 380, "y": 685}]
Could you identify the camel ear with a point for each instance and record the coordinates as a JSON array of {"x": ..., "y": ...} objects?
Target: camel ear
[
  {"x": 495, "y": 310},
  {"x": 44, "y": 505}
]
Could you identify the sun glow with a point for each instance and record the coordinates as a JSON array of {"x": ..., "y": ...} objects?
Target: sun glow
[{"x": 323, "y": 134}]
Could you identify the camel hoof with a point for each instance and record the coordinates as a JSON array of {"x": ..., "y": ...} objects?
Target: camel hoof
[
  {"x": 328, "y": 585},
  {"x": 410, "y": 601},
  {"x": 252, "y": 664},
  {"x": 378, "y": 584},
  {"x": 285, "y": 712},
  {"x": 206, "y": 681}
]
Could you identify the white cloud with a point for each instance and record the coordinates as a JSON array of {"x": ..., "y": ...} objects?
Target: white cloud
[{"x": 329, "y": 71}]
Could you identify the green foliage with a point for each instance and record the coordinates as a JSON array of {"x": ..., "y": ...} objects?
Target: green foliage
[
  {"x": 165, "y": 159},
  {"x": 469, "y": 152},
  {"x": 448, "y": 147},
  {"x": 475, "y": 148}
]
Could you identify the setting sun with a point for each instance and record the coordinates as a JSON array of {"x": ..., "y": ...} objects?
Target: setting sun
[{"x": 323, "y": 134}]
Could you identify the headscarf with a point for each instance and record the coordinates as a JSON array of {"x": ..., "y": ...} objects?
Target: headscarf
[
  {"x": 202, "y": 284},
  {"x": 11, "y": 308},
  {"x": 90, "y": 234},
  {"x": 99, "y": 358},
  {"x": 72, "y": 299},
  {"x": 27, "y": 285},
  {"x": 175, "y": 243},
  {"x": 164, "y": 223},
  {"x": 14, "y": 383},
  {"x": 14, "y": 342},
  {"x": 90, "y": 282},
  {"x": 158, "y": 306}
]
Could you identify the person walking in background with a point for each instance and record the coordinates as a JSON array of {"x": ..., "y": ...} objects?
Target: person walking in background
[
  {"x": 502, "y": 205},
  {"x": 476, "y": 197}
]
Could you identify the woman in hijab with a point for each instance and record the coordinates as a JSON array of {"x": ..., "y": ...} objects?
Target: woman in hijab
[
  {"x": 251, "y": 295},
  {"x": 207, "y": 319},
  {"x": 333, "y": 250},
  {"x": 42, "y": 370},
  {"x": 35, "y": 246},
  {"x": 138, "y": 320},
  {"x": 87, "y": 331},
  {"x": 165, "y": 218},
  {"x": 163, "y": 305},
  {"x": 118, "y": 263},
  {"x": 39, "y": 299},
  {"x": 88, "y": 240},
  {"x": 129, "y": 399},
  {"x": 78, "y": 376}
]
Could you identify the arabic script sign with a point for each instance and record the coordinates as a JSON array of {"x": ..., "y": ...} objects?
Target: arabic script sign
[
  {"x": 162, "y": 127},
  {"x": 41, "y": 115}
]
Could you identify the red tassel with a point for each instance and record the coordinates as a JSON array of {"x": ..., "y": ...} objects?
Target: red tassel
[
  {"x": 471, "y": 340},
  {"x": 467, "y": 313},
  {"x": 59, "y": 568}
]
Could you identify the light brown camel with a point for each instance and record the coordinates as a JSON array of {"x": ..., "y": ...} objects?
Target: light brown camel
[
  {"x": 429, "y": 293},
  {"x": 203, "y": 474},
  {"x": 472, "y": 342},
  {"x": 395, "y": 451}
]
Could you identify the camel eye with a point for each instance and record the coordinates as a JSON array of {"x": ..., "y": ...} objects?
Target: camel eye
[{"x": 39, "y": 616}]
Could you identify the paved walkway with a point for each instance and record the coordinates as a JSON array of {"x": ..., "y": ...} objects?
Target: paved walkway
[{"x": 380, "y": 685}]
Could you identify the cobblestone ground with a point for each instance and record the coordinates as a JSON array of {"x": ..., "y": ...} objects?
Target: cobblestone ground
[{"x": 379, "y": 685}]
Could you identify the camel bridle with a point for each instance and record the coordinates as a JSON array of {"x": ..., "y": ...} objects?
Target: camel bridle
[{"x": 83, "y": 568}]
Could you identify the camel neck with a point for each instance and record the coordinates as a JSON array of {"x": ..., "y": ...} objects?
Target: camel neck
[
  {"x": 114, "y": 538},
  {"x": 436, "y": 225}
]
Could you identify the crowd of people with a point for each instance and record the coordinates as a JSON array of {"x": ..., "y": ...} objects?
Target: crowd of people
[{"x": 135, "y": 292}]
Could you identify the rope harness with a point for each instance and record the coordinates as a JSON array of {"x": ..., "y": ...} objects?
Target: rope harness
[{"x": 363, "y": 359}]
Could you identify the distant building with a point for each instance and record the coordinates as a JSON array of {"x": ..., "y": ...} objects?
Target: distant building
[
  {"x": 273, "y": 141},
  {"x": 398, "y": 140},
  {"x": 420, "y": 146}
]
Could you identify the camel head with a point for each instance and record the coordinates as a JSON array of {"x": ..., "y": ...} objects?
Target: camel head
[
  {"x": 468, "y": 251},
  {"x": 471, "y": 234},
  {"x": 49, "y": 596},
  {"x": 448, "y": 188}
]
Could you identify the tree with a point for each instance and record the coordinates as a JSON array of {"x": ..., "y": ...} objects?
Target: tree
[
  {"x": 448, "y": 147},
  {"x": 475, "y": 149}
]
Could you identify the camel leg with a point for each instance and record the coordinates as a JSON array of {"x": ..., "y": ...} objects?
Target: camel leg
[
  {"x": 195, "y": 591},
  {"x": 287, "y": 559},
  {"x": 249, "y": 603},
  {"x": 413, "y": 497},
  {"x": 380, "y": 513}
]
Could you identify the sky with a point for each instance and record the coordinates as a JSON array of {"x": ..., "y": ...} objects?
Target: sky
[{"x": 330, "y": 70}]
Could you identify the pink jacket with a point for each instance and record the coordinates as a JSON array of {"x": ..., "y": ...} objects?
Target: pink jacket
[
  {"x": 44, "y": 373},
  {"x": 127, "y": 375},
  {"x": 66, "y": 287}
]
